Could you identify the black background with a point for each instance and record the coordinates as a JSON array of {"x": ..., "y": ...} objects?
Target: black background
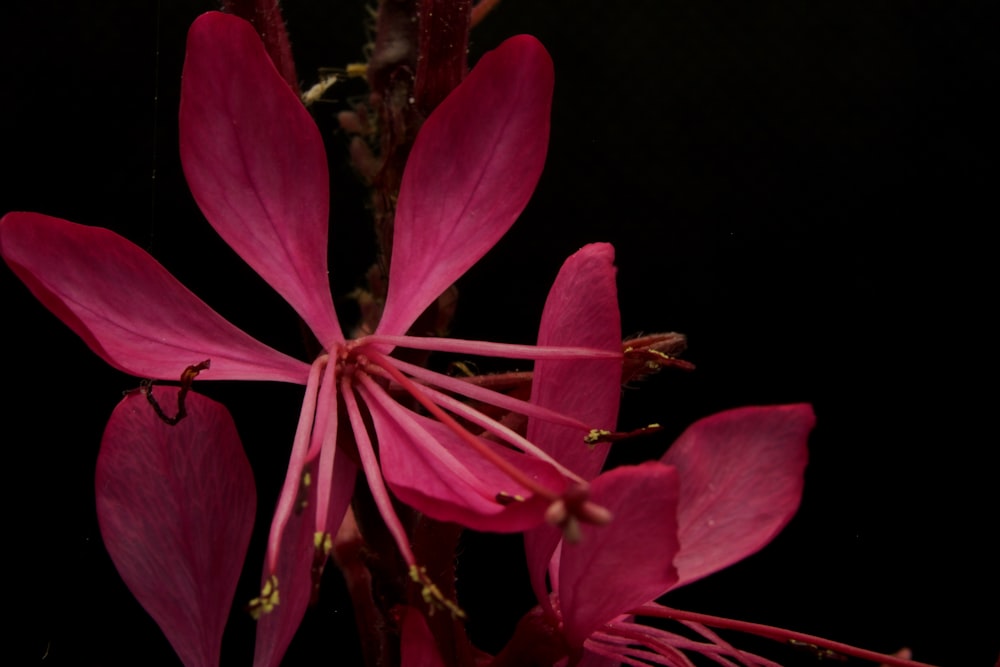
[{"x": 805, "y": 189}]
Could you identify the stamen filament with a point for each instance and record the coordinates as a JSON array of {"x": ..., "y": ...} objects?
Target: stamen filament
[
  {"x": 622, "y": 655},
  {"x": 771, "y": 632},
  {"x": 655, "y": 639},
  {"x": 328, "y": 451},
  {"x": 488, "y": 349},
  {"x": 327, "y": 397},
  {"x": 297, "y": 460},
  {"x": 644, "y": 639},
  {"x": 489, "y": 396},
  {"x": 498, "y": 429},
  {"x": 374, "y": 394},
  {"x": 416, "y": 391},
  {"x": 707, "y": 633},
  {"x": 715, "y": 649},
  {"x": 373, "y": 474}
]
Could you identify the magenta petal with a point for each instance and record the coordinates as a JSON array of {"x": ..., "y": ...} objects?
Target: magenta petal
[
  {"x": 581, "y": 311},
  {"x": 276, "y": 629},
  {"x": 473, "y": 167},
  {"x": 627, "y": 562},
  {"x": 176, "y": 508},
  {"x": 741, "y": 482},
  {"x": 432, "y": 470},
  {"x": 539, "y": 545},
  {"x": 128, "y": 308},
  {"x": 256, "y": 165}
]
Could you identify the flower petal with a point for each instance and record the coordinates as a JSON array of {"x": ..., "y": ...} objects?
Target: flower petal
[
  {"x": 128, "y": 308},
  {"x": 473, "y": 167},
  {"x": 434, "y": 471},
  {"x": 176, "y": 507},
  {"x": 539, "y": 545},
  {"x": 581, "y": 311},
  {"x": 627, "y": 562},
  {"x": 296, "y": 559},
  {"x": 741, "y": 482},
  {"x": 256, "y": 165}
]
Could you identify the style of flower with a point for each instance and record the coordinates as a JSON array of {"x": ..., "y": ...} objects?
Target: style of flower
[
  {"x": 256, "y": 165},
  {"x": 726, "y": 487}
]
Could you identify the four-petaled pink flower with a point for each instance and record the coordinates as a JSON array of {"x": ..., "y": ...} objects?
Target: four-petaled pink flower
[{"x": 256, "y": 165}]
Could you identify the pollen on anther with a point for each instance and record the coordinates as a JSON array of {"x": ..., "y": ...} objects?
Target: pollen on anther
[
  {"x": 596, "y": 435},
  {"x": 323, "y": 541},
  {"x": 267, "y": 600},
  {"x": 505, "y": 498},
  {"x": 432, "y": 595}
]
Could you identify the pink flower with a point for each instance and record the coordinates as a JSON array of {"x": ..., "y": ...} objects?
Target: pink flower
[
  {"x": 726, "y": 487},
  {"x": 256, "y": 165}
]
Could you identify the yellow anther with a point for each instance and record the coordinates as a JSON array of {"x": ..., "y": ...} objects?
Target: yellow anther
[
  {"x": 357, "y": 70},
  {"x": 323, "y": 541},
  {"x": 266, "y": 601},
  {"x": 650, "y": 354},
  {"x": 302, "y": 498},
  {"x": 461, "y": 369},
  {"x": 505, "y": 498},
  {"x": 600, "y": 435},
  {"x": 597, "y": 435},
  {"x": 432, "y": 595}
]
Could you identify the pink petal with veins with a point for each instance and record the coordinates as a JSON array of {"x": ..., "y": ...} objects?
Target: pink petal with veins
[
  {"x": 176, "y": 507},
  {"x": 256, "y": 165},
  {"x": 581, "y": 311},
  {"x": 741, "y": 475},
  {"x": 472, "y": 169},
  {"x": 627, "y": 562},
  {"x": 128, "y": 308}
]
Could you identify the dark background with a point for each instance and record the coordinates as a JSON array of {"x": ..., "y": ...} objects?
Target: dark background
[{"x": 804, "y": 189}]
